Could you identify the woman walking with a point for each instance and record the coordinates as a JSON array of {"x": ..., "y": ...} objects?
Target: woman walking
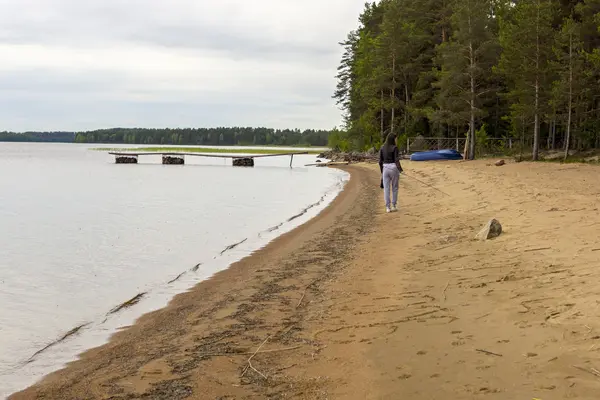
[{"x": 389, "y": 164}]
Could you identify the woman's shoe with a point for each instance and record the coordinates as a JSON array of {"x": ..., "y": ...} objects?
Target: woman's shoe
[
  {"x": 394, "y": 209},
  {"x": 387, "y": 210}
]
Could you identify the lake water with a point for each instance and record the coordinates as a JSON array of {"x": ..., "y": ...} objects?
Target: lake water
[{"x": 80, "y": 235}]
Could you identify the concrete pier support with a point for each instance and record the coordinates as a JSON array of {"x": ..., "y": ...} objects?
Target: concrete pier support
[
  {"x": 126, "y": 159},
  {"x": 243, "y": 162},
  {"x": 173, "y": 160}
]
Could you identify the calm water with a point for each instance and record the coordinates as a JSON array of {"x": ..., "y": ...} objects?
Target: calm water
[{"x": 80, "y": 235}]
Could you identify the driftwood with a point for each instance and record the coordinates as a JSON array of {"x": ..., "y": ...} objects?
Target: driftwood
[
  {"x": 592, "y": 371},
  {"x": 304, "y": 292},
  {"x": 489, "y": 352},
  {"x": 250, "y": 360},
  {"x": 446, "y": 288},
  {"x": 538, "y": 249}
]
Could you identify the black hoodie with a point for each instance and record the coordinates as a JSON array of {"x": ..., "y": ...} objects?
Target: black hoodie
[{"x": 389, "y": 153}]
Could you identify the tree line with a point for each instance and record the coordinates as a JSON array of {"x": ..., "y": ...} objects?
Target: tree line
[
  {"x": 60, "y": 137},
  {"x": 235, "y": 136},
  {"x": 527, "y": 70}
]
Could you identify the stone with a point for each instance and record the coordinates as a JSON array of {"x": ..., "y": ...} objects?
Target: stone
[
  {"x": 491, "y": 230},
  {"x": 500, "y": 163}
]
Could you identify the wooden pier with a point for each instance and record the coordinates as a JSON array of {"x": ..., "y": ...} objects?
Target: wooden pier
[{"x": 179, "y": 158}]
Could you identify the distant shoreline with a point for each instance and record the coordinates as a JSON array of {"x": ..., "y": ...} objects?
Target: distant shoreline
[{"x": 223, "y": 136}]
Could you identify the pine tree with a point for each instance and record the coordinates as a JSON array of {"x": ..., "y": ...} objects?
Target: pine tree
[
  {"x": 345, "y": 75},
  {"x": 570, "y": 67},
  {"x": 402, "y": 55},
  {"x": 526, "y": 40},
  {"x": 423, "y": 65},
  {"x": 390, "y": 47},
  {"x": 466, "y": 63}
]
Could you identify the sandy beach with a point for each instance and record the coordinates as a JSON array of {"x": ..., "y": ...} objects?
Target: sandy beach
[{"x": 360, "y": 304}]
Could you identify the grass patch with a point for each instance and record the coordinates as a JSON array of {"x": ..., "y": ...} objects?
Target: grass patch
[{"x": 207, "y": 150}]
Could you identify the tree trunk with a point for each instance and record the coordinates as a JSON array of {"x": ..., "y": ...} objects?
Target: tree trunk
[
  {"x": 536, "y": 121},
  {"x": 472, "y": 119},
  {"x": 406, "y": 101},
  {"x": 522, "y": 137},
  {"x": 393, "y": 94},
  {"x": 382, "y": 132},
  {"x": 569, "y": 111},
  {"x": 554, "y": 132}
]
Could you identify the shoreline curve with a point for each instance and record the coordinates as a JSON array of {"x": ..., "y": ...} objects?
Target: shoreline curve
[{"x": 77, "y": 377}]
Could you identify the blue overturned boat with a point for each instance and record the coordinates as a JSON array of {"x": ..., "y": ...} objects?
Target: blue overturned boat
[{"x": 434, "y": 155}]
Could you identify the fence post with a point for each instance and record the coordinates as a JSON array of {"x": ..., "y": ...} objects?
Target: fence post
[
  {"x": 510, "y": 143},
  {"x": 457, "y": 145},
  {"x": 407, "y": 144}
]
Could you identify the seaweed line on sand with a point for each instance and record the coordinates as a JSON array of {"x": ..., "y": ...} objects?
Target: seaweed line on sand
[
  {"x": 306, "y": 209},
  {"x": 129, "y": 303},
  {"x": 339, "y": 185},
  {"x": 177, "y": 278},
  {"x": 274, "y": 228},
  {"x": 233, "y": 246},
  {"x": 195, "y": 269},
  {"x": 67, "y": 335}
]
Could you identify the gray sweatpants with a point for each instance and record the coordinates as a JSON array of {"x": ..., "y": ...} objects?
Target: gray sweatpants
[{"x": 391, "y": 176}]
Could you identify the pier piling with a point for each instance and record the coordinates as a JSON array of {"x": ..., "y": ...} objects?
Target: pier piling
[
  {"x": 179, "y": 158},
  {"x": 173, "y": 160}
]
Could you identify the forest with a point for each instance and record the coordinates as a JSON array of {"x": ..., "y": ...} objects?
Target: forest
[
  {"x": 236, "y": 136},
  {"x": 60, "y": 137},
  {"x": 528, "y": 70}
]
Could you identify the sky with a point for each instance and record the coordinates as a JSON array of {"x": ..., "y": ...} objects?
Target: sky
[{"x": 88, "y": 64}]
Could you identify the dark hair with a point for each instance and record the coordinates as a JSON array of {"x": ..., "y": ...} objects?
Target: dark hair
[{"x": 390, "y": 143}]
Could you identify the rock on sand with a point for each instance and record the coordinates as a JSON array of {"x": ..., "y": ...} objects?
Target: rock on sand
[{"x": 491, "y": 230}]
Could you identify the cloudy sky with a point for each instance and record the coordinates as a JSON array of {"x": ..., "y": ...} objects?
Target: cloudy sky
[{"x": 88, "y": 64}]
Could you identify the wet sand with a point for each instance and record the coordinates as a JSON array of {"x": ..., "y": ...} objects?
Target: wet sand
[{"x": 359, "y": 304}]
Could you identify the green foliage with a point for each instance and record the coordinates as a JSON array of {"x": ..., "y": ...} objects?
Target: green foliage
[
  {"x": 482, "y": 142},
  {"x": 437, "y": 67},
  {"x": 466, "y": 63},
  {"x": 527, "y": 38},
  {"x": 481, "y": 135},
  {"x": 202, "y": 136},
  {"x": 60, "y": 137},
  {"x": 337, "y": 141}
]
